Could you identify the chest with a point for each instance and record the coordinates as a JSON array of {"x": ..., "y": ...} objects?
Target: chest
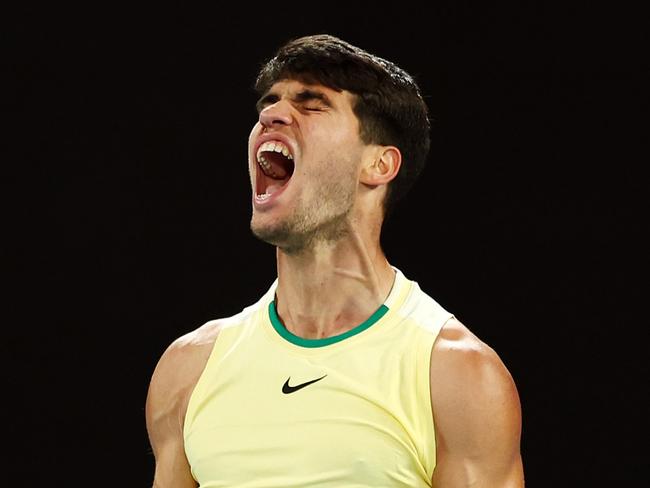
[{"x": 305, "y": 421}]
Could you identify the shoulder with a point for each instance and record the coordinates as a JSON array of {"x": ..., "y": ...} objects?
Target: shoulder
[
  {"x": 463, "y": 353},
  {"x": 475, "y": 402},
  {"x": 172, "y": 382},
  {"x": 463, "y": 367},
  {"x": 178, "y": 370},
  {"x": 186, "y": 356},
  {"x": 182, "y": 363}
]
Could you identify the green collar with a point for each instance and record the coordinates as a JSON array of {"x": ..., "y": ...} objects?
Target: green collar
[{"x": 299, "y": 341}]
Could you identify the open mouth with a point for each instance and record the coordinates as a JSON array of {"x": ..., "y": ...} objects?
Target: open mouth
[{"x": 275, "y": 168}]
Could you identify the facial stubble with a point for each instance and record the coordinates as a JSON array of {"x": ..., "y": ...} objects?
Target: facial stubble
[{"x": 321, "y": 216}]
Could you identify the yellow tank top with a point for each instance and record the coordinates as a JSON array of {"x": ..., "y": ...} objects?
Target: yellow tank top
[{"x": 272, "y": 409}]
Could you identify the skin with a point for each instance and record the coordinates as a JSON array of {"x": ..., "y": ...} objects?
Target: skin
[{"x": 326, "y": 226}]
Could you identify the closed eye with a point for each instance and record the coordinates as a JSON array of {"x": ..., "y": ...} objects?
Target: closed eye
[
  {"x": 309, "y": 100},
  {"x": 312, "y": 100},
  {"x": 265, "y": 101}
]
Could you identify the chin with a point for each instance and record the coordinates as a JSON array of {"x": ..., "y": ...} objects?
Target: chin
[
  {"x": 274, "y": 234},
  {"x": 282, "y": 236}
]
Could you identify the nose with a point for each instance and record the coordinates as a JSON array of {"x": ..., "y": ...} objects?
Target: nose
[{"x": 278, "y": 113}]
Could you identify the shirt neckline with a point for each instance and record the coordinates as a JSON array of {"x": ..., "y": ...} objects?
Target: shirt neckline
[
  {"x": 394, "y": 299},
  {"x": 326, "y": 341}
]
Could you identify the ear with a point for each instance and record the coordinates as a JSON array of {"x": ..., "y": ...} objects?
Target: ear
[{"x": 382, "y": 166}]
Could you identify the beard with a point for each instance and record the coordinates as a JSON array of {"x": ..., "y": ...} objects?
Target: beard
[{"x": 320, "y": 217}]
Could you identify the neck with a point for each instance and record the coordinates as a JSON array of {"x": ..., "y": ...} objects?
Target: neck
[{"x": 330, "y": 288}]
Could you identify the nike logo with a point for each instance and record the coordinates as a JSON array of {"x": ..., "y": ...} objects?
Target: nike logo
[{"x": 290, "y": 389}]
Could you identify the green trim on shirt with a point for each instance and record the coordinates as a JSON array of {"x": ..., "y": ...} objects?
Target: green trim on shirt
[{"x": 299, "y": 341}]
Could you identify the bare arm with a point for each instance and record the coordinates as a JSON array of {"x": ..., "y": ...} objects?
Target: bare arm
[
  {"x": 171, "y": 385},
  {"x": 477, "y": 414}
]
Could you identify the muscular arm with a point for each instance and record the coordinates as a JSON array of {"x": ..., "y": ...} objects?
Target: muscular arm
[
  {"x": 477, "y": 415},
  {"x": 171, "y": 385}
]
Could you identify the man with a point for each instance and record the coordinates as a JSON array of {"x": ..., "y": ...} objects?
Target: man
[{"x": 345, "y": 373}]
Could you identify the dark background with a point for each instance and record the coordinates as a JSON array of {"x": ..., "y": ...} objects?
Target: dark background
[{"x": 126, "y": 202}]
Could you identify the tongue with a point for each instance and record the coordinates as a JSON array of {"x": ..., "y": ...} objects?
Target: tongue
[
  {"x": 280, "y": 171},
  {"x": 272, "y": 188},
  {"x": 279, "y": 164}
]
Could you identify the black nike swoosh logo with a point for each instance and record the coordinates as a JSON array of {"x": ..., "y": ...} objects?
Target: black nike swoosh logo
[{"x": 290, "y": 389}]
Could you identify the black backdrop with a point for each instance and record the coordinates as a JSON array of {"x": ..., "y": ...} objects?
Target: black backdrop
[{"x": 126, "y": 209}]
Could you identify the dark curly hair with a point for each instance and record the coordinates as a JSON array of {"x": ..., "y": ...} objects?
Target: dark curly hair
[{"x": 387, "y": 103}]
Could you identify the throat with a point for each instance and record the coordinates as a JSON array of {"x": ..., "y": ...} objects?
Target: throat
[{"x": 317, "y": 304}]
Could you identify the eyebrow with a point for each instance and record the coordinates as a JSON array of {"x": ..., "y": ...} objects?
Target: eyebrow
[{"x": 302, "y": 96}]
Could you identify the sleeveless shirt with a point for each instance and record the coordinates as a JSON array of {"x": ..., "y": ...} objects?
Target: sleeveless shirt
[{"x": 272, "y": 409}]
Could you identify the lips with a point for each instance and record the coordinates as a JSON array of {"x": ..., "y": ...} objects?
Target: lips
[{"x": 275, "y": 166}]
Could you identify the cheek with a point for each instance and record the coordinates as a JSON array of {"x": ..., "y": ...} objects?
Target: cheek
[
  {"x": 335, "y": 167},
  {"x": 338, "y": 143}
]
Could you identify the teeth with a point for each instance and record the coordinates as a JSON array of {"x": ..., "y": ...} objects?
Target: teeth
[
  {"x": 266, "y": 166},
  {"x": 273, "y": 146}
]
